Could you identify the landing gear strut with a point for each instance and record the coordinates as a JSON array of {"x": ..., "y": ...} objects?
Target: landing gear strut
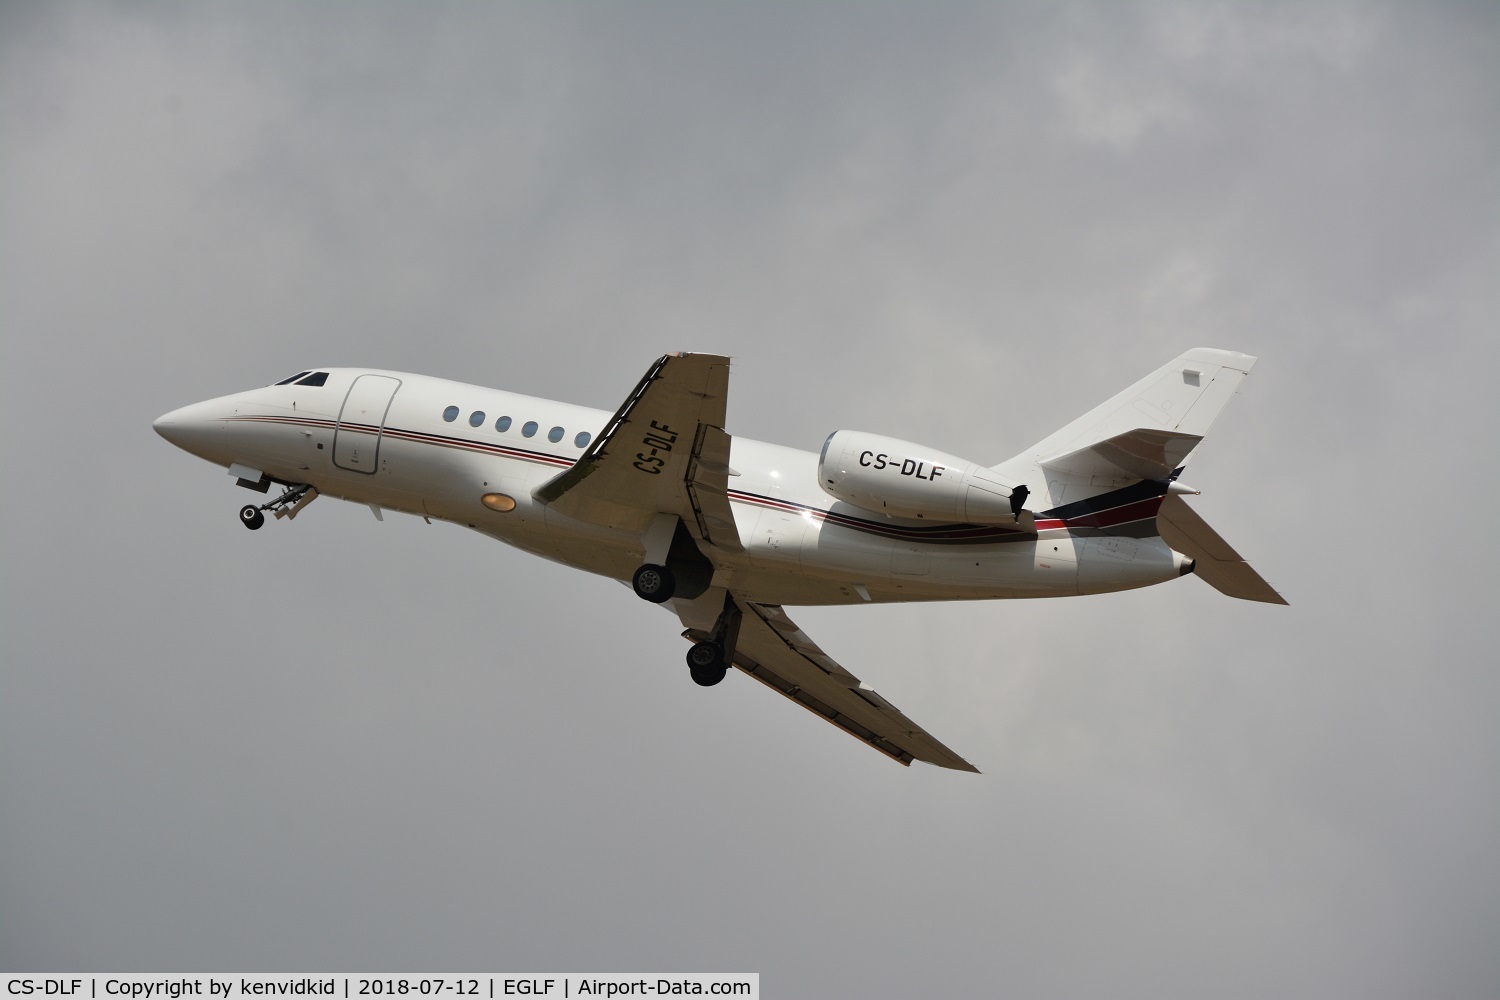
[{"x": 287, "y": 505}]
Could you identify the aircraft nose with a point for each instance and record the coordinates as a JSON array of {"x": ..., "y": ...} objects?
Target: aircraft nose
[
  {"x": 195, "y": 428},
  {"x": 171, "y": 425}
]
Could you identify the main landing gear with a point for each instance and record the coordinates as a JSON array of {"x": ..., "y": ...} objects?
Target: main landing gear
[
  {"x": 287, "y": 505},
  {"x": 672, "y": 566},
  {"x": 710, "y": 657},
  {"x": 706, "y": 663},
  {"x": 676, "y": 567},
  {"x": 654, "y": 583}
]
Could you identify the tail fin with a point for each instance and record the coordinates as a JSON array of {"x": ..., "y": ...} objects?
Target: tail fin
[
  {"x": 1111, "y": 471},
  {"x": 1145, "y": 432}
]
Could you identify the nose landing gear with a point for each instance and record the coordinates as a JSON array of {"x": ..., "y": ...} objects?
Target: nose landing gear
[{"x": 288, "y": 505}]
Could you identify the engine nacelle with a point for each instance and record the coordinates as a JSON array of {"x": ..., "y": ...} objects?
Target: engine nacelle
[{"x": 902, "y": 479}]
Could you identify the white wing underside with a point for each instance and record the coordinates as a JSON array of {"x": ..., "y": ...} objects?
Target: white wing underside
[{"x": 774, "y": 651}]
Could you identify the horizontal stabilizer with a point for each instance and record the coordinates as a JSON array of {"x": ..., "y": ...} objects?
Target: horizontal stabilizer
[
  {"x": 1143, "y": 453},
  {"x": 1214, "y": 559}
]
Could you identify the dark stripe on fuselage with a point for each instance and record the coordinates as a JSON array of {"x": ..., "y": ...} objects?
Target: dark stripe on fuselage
[{"x": 1125, "y": 496}]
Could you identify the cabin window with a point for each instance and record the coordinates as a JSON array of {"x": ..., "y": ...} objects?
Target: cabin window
[
  {"x": 450, "y": 414},
  {"x": 502, "y": 425},
  {"x": 476, "y": 418},
  {"x": 555, "y": 434},
  {"x": 528, "y": 429},
  {"x": 315, "y": 379},
  {"x": 289, "y": 381},
  {"x": 582, "y": 440}
]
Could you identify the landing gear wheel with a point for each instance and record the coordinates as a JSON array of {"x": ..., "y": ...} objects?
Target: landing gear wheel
[
  {"x": 654, "y": 583},
  {"x": 709, "y": 676},
  {"x": 251, "y": 517},
  {"x": 705, "y": 656}
]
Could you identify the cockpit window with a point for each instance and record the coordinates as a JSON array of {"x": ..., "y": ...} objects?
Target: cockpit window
[
  {"x": 289, "y": 381},
  {"x": 316, "y": 378}
]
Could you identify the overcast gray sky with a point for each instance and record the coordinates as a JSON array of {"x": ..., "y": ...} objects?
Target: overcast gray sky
[{"x": 343, "y": 744}]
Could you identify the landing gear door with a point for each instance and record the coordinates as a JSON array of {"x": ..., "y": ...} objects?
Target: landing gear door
[{"x": 356, "y": 440}]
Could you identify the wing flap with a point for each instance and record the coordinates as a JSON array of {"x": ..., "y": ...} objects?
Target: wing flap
[
  {"x": 707, "y": 484},
  {"x": 773, "y": 650}
]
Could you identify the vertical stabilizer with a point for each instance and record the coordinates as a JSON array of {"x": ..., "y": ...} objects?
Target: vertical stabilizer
[
  {"x": 1112, "y": 471},
  {"x": 1143, "y": 433}
]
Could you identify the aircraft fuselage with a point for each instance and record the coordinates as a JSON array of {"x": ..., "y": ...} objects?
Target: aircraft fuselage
[{"x": 433, "y": 448}]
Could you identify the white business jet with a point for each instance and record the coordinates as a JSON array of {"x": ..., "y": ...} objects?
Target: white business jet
[{"x": 727, "y": 532}]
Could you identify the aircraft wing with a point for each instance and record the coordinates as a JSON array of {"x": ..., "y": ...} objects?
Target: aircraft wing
[
  {"x": 664, "y": 451},
  {"x": 773, "y": 650}
]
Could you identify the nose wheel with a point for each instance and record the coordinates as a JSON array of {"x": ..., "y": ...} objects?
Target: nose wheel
[{"x": 287, "y": 505}]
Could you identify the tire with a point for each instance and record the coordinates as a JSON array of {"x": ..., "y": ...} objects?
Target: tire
[
  {"x": 251, "y": 517},
  {"x": 708, "y": 677},
  {"x": 654, "y": 583},
  {"x": 705, "y": 656}
]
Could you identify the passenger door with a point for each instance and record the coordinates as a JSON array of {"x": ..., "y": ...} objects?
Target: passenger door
[{"x": 356, "y": 440}]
